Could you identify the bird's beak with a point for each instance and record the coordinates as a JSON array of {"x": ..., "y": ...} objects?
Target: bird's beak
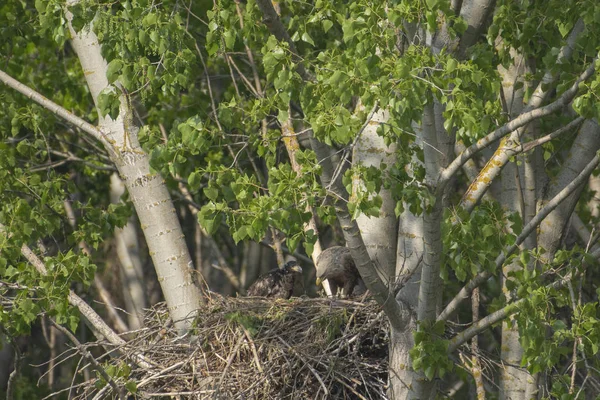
[
  {"x": 319, "y": 281},
  {"x": 296, "y": 268}
]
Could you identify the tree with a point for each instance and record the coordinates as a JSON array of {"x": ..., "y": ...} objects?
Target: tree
[{"x": 450, "y": 141}]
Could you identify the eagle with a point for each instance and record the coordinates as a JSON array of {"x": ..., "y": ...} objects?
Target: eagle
[
  {"x": 337, "y": 266},
  {"x": 277, "y": 283}
]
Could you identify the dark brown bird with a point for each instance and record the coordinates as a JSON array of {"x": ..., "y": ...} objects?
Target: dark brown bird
[
  {"x": 277, "y": 283},
  {"x": 337, "y": 266}
]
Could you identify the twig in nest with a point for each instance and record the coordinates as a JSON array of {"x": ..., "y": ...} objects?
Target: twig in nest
[
  {"x": 312, "y": 370},
  {"x": 350, "y": 388},
  {"x": 161, "y": 373},
  {"x": 229, "y": 361},
  {"x": 254, "y": 353}
]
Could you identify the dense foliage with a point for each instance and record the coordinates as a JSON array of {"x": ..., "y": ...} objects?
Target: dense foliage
[{"x": 212, "y": 88}]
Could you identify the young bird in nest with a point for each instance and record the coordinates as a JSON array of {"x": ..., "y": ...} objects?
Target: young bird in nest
[
  {"x": 277, "y": 283},
  {"x": 337, "y": 266}
]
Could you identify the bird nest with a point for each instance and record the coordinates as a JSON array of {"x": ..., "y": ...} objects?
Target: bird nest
[{"x": 256, "y": 348}]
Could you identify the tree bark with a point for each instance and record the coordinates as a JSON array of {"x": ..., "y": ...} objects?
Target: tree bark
[
  {"x": 379, "y": 233},
  {"x": 128, "y": 251},
  {"x": 147, "y": 190}
]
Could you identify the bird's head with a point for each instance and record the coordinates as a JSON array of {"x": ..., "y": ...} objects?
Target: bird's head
[{"x": 292, "y": 266}]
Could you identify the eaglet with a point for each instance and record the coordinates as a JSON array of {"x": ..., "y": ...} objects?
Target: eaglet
[
  {"x": 277, "y": 283},
  {"x": 337, "y": 266}
]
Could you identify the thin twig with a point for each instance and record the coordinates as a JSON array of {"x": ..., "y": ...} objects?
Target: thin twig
[{"x": 118, "y": 390}]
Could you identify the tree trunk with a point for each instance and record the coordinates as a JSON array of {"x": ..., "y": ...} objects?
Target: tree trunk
[
  {"x": 128, "y": 251},
  {"x": 379, "y": 233},
  {"x": 147, "y": 190}
]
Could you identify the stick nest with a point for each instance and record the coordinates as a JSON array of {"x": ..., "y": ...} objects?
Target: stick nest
[{"x": 255, "y": 348}]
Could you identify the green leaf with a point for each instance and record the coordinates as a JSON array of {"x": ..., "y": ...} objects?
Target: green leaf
[
  {"x": 282, "y": 116},
  {"x": 306, "y": 38},
  {"x": 488, "y": 231},
  {"x": 327, "y": 24},
  {"x": 143, "y": 37},
  {"x": 73, "y": 322},
  {"x": 348, "y": 29},
  {"x": 131, "y": 386},
  {"x": 335, "y": 79},
  {"x": 112, "y": 72},
  {"x": 564, "y": 29},
  {"x": 229, "y": 39},
  {"x": 430, "y": 372},
  {"x": 149, "y": 20},
  {"x": 109, "y": 103},
  {"x": 431, "y": 3},
  {"x": 451, "y": 65},
  {"x": 477, "y": 76},
  {"x": 211, "y": 193},
  {"x": 194, "y": 181}
]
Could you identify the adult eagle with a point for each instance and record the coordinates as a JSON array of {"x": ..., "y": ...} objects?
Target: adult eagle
[
  {"x": 277, "y": 283},
  {"x": 337, "y": 266}
]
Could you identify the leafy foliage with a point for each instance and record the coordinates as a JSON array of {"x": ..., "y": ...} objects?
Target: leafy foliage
[
  {"x": 473, "y": 241},
  {"x": 212, "y": 88},
  {"x": 430, "y": 353}
]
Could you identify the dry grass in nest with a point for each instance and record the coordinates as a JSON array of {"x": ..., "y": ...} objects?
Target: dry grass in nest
[{"x": 255, "y": 348}]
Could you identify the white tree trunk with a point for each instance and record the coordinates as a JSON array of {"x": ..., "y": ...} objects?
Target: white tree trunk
[
  {"x": 128, "y": 251},
  {"x": 147, "y": 190},
  {"x": 379, "y": 233}
]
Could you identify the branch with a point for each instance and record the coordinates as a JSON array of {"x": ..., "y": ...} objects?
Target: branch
[
  {"x": 104, "y": 294},
  {"x": 494, "y": 317},
  {"x": 544, "y": 139},
  {"x": 91, "y": 359},
  {"x": 535, "y": 221},
  {"x": 514, "y": 124},
  {"x": 223, "y": 266},
  {"x": 510, "y": 146},
  {"x": 290, "y": 141},
  {"x": 86, "y": 311},
  {"x": 501, "y": 157},
  {"x": 56, "y": 109}
]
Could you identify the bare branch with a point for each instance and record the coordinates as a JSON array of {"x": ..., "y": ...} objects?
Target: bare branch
[
  {"x": 223, "y": 266},
  {"x": 499, "y": 160},
  {"x": 544, "y": 139},
  {"x": 120, "y": 325},
  {"x": 119, "y": 391}
]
